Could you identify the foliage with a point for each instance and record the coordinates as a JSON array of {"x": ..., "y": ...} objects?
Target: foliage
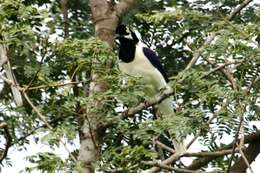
[{"x": 45, "y": 63}]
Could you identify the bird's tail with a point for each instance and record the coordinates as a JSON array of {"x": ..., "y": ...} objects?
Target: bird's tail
[{"x": 166, "y": 109}]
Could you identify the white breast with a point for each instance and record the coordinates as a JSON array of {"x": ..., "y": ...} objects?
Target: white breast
[{"x": 142, "y": 67}]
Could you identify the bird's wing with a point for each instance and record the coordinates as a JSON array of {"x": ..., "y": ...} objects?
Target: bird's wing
[{"x": 155, "y": 61}]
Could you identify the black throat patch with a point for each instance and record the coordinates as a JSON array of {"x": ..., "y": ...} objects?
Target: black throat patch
[{"x": 127, "y": 49}]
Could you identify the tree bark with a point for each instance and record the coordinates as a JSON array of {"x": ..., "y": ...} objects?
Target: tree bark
[
  {"x": 64, "y": 11},
  {"x": 106, "y": 16},
  {"x": 198, "y": 163},
  {"x": 4, "y": 61},
  {"x": 250, "y": 153}
]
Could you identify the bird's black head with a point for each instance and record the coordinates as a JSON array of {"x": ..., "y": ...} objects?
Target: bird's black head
[
  {"x": 124, "y": 34},
  {"x": 127, "y": 40},
  {"x": 122, "y": 30}
]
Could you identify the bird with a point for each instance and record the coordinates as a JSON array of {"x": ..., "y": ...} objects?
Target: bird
[{"x": 138, "y": 60}]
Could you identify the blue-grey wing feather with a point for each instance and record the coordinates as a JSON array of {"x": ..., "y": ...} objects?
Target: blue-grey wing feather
[{"x": 155, "y": 61}]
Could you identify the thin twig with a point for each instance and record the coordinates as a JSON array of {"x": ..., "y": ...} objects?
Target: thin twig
[
  {"x": 42, "y": 117},
  {"x": 164, "y": 146},
  {"x": 196, "y": 137},
  {"x": 39, "y": 69},
  {"x": 227, "y": 73},
  {"x": 234, "y": 145},
  {"x": 200, "y": 50},
  {"x": 53, "y": 85},
  {"x": 208, "y": 122},
  {"x": 212, "y": 35},
  {"x": 252, "y": 84},
  {"x": 220, "y": 67}
]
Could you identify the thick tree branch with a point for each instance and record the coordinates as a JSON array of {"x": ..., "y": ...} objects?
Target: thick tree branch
[
  {"x": 250, "y": 153},
  {"x": 210, "y": 153},
  {"x": 10, "y": 77},
  {"x": 207, "y": 157},
  {"x": 64, "y": 10},
  {"x": 169, "y": 168},
  {"x": 198, "y": 163}
]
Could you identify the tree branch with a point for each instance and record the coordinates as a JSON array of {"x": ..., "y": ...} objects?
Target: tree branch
[
  {"x": 252, "y": 84},
  {"x": 3, "y": 125},
  {"x": 238, "y": 9},
  {"x": 251, "y": 152},
  {"x": 200, "y": 50},
  {"x": 235, "y": 140},
  {"x": 164, "y": 146},
  {"x": 245, "y": 160},
  {"x": 42, "y": 117},
  {"x": 212, "y": 35},
  {"x": 53, "y": 85},
  {"x": 10, "y": 77},
  {"x": 64, "y": 10},
  {"x": 169, "y": 168},
  {"x": 198, "y": 163},
  {"x": 210, "y": 153},
  {"x": 151, "y": 102}
]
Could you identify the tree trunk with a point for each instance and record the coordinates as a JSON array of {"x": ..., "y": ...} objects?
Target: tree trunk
[
  {"x": 250, "y": 153},
  {"x": 106, "y": 17}
]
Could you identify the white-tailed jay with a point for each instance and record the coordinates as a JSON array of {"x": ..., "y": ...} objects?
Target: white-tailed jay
[{"x": 138, "y": 60}]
